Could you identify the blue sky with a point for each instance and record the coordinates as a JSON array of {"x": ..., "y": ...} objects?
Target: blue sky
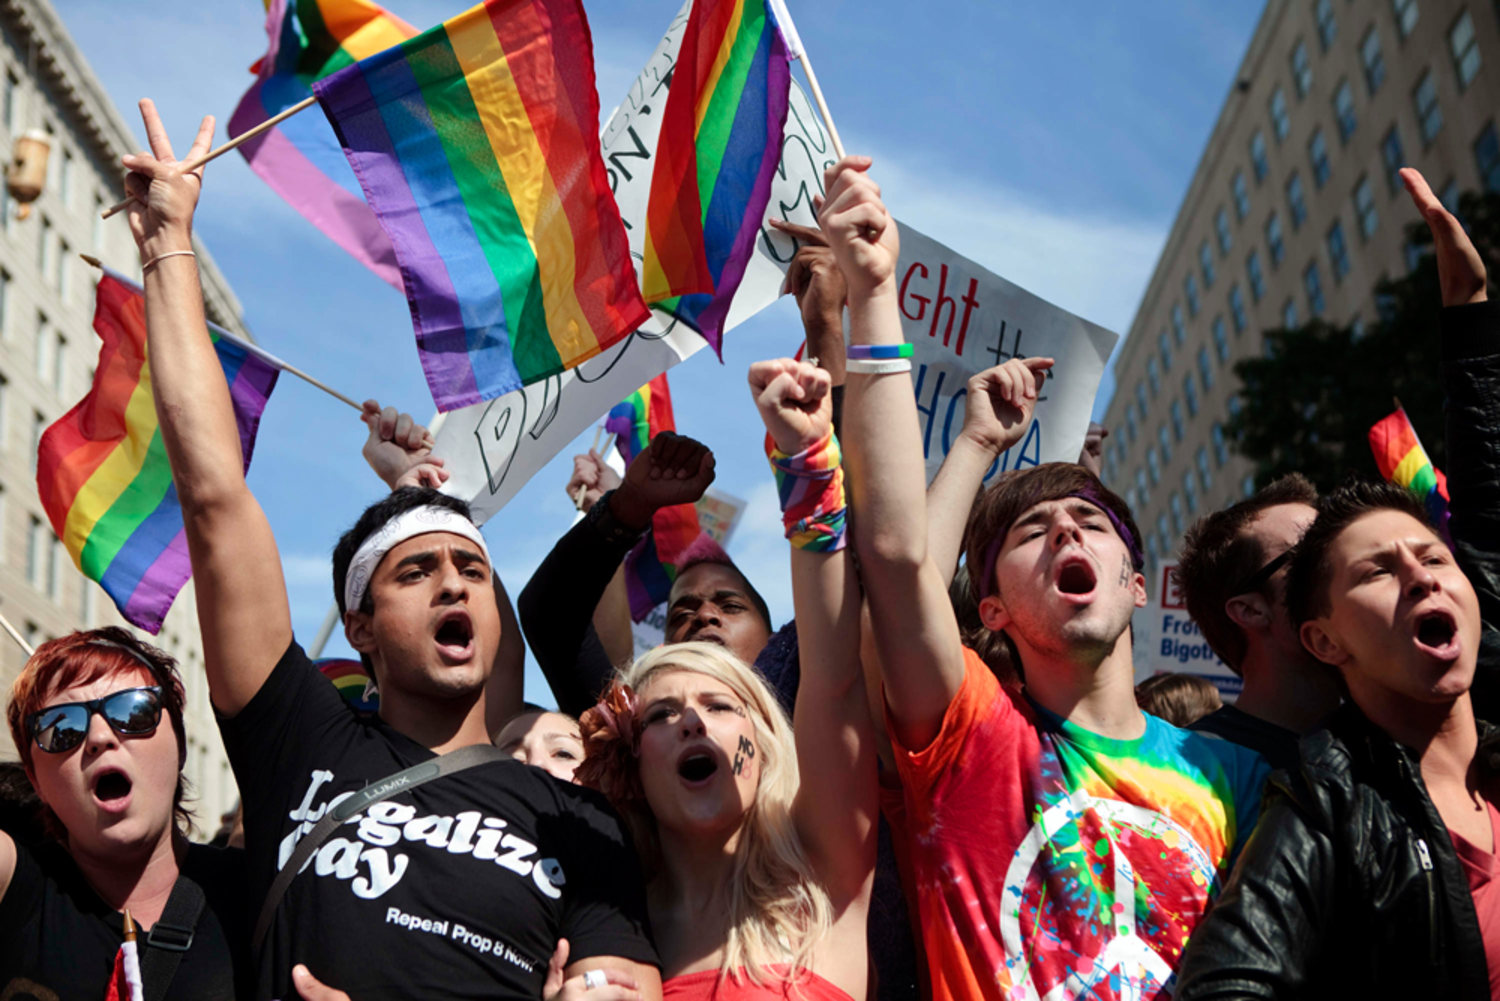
[{"x": 1051, "y": 143}]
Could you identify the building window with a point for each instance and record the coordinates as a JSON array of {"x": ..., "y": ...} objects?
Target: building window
[
  {"x": 1343, "y": 110},
  {"x": 1221, "y": 339},
  {"x": 1205, "y": 474},
  {"x": 1190, "y": 394},
  {"x": 1237, "y": 309},
  {"x": 1140, "y": 399},
  {"x": 44, "y": 247},
  {"x": 1429, "y": 113},
  {"x": 1179, "y": 327},
  {"x": 38, "y": 425},
  {"x": 1412, "y": 254},
  {"x": 1449, "y": 195},
  {"x": 1406, "y": 16},
  {"x": 1165, "y": 347},
  {"x": 4, "y": 305},
  {"x": 1178, "y": 426},
  {"x": 1288, "y": 320},
  {"x": 1190, "y": 492},
  {"x": 1258, "y": 161},
  {"x": 65, "y": 179},
  {"x": 1174, "y": 504},
  {"x": 1338, "y": 251},
  {"x": 1317, "y": 155},
  {"x": 1281, "y": 120},
  {"x": 1165, "y": 441},
  {"x": 1328, "y": 28},
  {"x": 1301, "y": 69},
  {"x": 1153, "y": 465},
  {"x": 36, "y": 551},
  {"x": 1241, "y": 195},
  {"x": 60, "y": 366},
  {"x": 1190, "y": 291},
  {"x": 1247, "y": 485},
  {"x": 1314, "y": 286},
  {"x": 1221, "y": 447},
  {"x": 1274, "y": 242},
  {"x": 1130, "y": 428},
  {"x": 1205, "y": 364},
  {"x": 1487, "y": 158},
  {"x": 12, "y": 105},
  {"x": 43, "y": 347},
  {"x": 64, "y": 270},
  {"x": 1141, "y": 489},
  {"x": 1364, "y": 207},
  {"x": 57, "y": 559},
  {"x": 1394, "y": 158},
  {"x": 1221, "y": 228},
  {"x": 1206, "y": 262},
  {"x": 1161, "y": 532},
  {"x": 1254, "y": 274},
  {"x": 1374, "y": 61},
  {"x": 4, "y": 409},
  {"x": 1296, "y": 201},
  {"x": 1465, "y": 49},
  {"x": 1153, "y": 377}
]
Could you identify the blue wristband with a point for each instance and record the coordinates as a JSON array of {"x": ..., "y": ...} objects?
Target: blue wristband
[{"x": 878, "y": 352}]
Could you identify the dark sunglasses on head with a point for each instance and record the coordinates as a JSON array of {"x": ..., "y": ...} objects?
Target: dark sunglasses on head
[
  {"x": 133, "y": 712},
  {"x": 1258, "y": 579}
]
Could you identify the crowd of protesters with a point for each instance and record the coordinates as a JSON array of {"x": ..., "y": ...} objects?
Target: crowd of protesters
[{"x": 940, "y": 780}]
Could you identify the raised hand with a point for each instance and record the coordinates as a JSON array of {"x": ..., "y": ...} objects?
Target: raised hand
[
  {"x": 672, "y": 470},
  {"x": 817, "y": 283},
  {"x": 593, "y": 477},
  {"x": 1000, "y": 402},
  {"x": 860, "y": 231},
  {"x": 794, "y": 402},
  {"x": 1461, "y": 273},
  {"x": 1092, "y": 455},
  {"x": 399, "y": 449},
  {"x": 310, "y": 988},
  {"x": 163, "y": 196}
]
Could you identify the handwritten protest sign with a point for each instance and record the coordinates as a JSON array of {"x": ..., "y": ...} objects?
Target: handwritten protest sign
[
  {"x": 1167, "y": 640},
  {"x": 960, "y": 317}
]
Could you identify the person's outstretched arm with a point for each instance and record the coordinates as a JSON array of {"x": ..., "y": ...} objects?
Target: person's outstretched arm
[
  {"x": 921, "y": 655},
  {"x": 242, "y": 603}
]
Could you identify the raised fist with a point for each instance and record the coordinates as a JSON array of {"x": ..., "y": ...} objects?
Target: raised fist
[
  {"x": 672, "y": 470},
  {"x": 794, "y": 402}
]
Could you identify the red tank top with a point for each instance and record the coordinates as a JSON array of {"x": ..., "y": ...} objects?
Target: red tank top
[{"x": 706, "y": 986}]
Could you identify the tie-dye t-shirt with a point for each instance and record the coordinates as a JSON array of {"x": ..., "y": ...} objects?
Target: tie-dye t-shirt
[{"x": 1053, "y": 863}]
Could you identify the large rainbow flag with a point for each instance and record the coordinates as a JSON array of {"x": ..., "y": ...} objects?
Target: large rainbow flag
[
  {"x": 1404, "y": 462},
  {"x": 477, "y": 145},
  {"x": 300, "y": 158},
  {"x": 102, "y": 469},
  {"x": 651, "y": 566},
  {"x": 720, "y": 143}
]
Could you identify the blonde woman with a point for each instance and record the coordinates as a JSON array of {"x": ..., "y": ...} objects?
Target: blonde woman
[{"x": 759, "y": 842}]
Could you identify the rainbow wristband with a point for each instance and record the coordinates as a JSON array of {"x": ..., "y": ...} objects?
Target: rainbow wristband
[
  {"x": 877, "y": 352},
  {"x": 811, "y": 487}
]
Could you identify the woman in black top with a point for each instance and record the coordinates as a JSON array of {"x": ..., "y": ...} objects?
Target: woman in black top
[{"x": 86, "y": 714}]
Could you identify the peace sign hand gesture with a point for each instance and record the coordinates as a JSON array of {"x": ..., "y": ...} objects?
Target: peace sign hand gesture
[{"x": 163, "y": 196}]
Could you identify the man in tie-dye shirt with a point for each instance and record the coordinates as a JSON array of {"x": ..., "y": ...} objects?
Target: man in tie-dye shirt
[{"x": 1063, "y": 844}]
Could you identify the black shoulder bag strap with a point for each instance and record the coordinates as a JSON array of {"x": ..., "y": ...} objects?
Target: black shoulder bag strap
[
  {"x": 170, "y": 937},
  {"x": 409, "y": 778}
]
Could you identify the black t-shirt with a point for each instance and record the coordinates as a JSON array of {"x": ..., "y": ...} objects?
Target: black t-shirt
[
  {"x": 58, "y": 939},
  {"x": 460, "y": 887},
  {"x": 1276, "y": 744}
]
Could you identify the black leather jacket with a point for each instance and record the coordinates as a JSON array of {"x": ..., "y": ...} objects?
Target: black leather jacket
[{"x": 1350, "y": 886}]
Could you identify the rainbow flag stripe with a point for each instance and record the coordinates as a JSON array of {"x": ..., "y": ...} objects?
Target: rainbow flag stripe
[
  {"x": 651, "y": 566},
  {"x": 300, "y": 159},
  {"x": 476, "y": 143},
  {"x": 349, "y": 677},
  {"x": 102, "y": 469},
  {"x": 1404, "y": 462},
  {"x": 720, "y": 144}
]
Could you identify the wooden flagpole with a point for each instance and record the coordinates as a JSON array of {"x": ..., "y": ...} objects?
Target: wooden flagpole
[
  {"x": 795, "y": 50},
  {"x": 214, "y": 154},
  {"x": 20, "y": 640}
]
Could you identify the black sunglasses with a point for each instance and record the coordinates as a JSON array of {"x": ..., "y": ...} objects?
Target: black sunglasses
[
  {"x": 1258, "y": 579},
  {"x": 133, "y": 712}
]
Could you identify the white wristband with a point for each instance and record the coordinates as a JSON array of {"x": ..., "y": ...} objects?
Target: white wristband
[{"x": 877, "y": 366}]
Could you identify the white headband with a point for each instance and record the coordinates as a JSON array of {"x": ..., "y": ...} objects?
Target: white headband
[{"x": 407, "y": 524}]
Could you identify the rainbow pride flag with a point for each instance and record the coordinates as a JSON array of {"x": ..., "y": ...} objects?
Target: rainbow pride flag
[
  {"x": 1404, "y": 462},
  {"x": 102, "y": 469},
  {"x": 300, "y": 158},
  {"x": 477, "y": 145},
  {"x": 349, "y": 677},
  {"x": 651, "y": 566},
  {"x": 720, "y": 144}
]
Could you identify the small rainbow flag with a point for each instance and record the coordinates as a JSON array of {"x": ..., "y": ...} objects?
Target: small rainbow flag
[
  {"x": 102, "y": 469},
  {"x": 651, "y": 566},
  {"x": 349, "y": 677},
  {"x": 720, "y": 144},
  {"x": 477, "y": 145},
  {"x": 300, "y": 158},
  {"x": 1403, "y": 461}
]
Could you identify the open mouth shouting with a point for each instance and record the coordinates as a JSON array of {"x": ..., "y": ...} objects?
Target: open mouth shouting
[
  {"x": 111, "y": 788},
  {"x": 697, "y": 768},
  {"x": 1076, "y": 578},
  {"x": 1436, "y": 634},
  {"x": 455, "y": 635}
]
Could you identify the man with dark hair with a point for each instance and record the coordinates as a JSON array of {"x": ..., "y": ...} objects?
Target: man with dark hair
[
  {"x": 1233, "y": 576},
  {"x": 1062, "y": 842},
  {"x": 1382, "y": 843},
  {"x": 463, "y": 885}
]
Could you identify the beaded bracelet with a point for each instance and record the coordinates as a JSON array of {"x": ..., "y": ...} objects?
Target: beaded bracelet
[{"x": 811, "y": 487}]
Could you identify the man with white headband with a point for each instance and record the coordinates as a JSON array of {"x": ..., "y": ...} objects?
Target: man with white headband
[{"x": 460, "y": 887}]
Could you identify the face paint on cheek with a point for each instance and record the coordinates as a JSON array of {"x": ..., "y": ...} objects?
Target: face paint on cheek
[
  {"x": 743, "y": 754},
  {"x": 1124, "y": 571}
]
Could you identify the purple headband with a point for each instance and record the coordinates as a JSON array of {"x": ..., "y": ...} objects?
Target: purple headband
[{"x": 1126, "y": 536}]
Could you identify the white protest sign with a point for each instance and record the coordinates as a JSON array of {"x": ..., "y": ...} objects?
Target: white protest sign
[
  {"x": 960, "y": 318},
  {"x": 1167, "y": 640}
]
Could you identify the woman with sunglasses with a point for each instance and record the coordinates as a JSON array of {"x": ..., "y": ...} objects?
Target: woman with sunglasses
[{"x": 86, "y": 715}]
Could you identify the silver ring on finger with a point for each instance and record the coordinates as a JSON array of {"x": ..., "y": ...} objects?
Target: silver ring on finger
[{"x": 594, "y": 978}]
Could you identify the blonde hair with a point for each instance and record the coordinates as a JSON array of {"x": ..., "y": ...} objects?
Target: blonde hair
[{"x": 778, "y": 911}]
